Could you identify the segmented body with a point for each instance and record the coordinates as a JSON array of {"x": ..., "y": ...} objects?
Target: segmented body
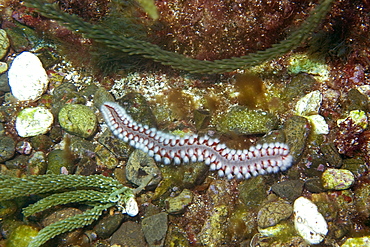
[{"x": 167, "y": 148}]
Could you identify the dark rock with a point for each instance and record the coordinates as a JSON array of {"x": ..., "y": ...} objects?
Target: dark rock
[
  {"x": 289, "y": 189},
  {"x": 314, "y": 185},
  {"x": 331, "y": 154},
  {"x": 105, "y": 227},
  {"x": 253, "y": 191},
  {"x": 129, "y": 234},
  {"x": 7, "y": 148},
  {"x": 155, "y": 229},
  {"x": 58, "y": 160}
]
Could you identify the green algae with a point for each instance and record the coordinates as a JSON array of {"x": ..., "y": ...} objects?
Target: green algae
[
  {"x": 134, "y": 46},
  {"x": 244, "y": 121}
]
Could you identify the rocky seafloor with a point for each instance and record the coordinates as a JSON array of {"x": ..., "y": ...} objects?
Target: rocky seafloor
[{"x": 315, "y": 99}]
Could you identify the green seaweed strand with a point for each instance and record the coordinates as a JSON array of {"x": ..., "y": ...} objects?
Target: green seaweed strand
[
  {"x": 176, "y": 60},
  {"x": 11, "y": 187},
  {"x": 73, "y": 222},
  {"x": 86, "y": 196}
]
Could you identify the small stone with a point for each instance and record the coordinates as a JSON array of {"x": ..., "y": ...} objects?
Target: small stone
[
  {"x": 244, "y": 121},
  {"x": 314, "y": 185},
  {"x": 281, "y": 229},
  {"x": 356, "y": 165},
  {"x": 177, "y": 204},
  {"x": 155, "y": 229},
  {"x": 319, "y": 125},
  {"x": 297, "y": 130},
  {"x": 357, "y": 242},
  {"x": 7, "y": 148},
  {"x": 331, "y": 154},
  {"x": 131, "y": 207},
  {"x": 27, "y": 78},
  {"x": 37, "y": 164},
  {"x": 33, "y": 121},
  {"x": 309, "y": 104},
  {"x": 42, "y": 142},
  {"x": 308, "y": 221},
  {"x": 213, "y": 232},
  {"x": 7, "y": 208},
  {"x": 4, "y": 43},
  {"x": 22, "y": 236},
  {"x": 337, "y": 179},
  {"x": 106, "y": 226},
  {"x": 23, "y": 147},
  {"x": 129, "y": 234},
  {"x": 273, "y": 213},
  {"x": 59, "y": 162},
  {"x": 60, "y": 214},
  {"x": 78, "y": 120},
  {"x": 358, "y": 117},
  {"x": 105, "y": 158},
  {"x": 3, "y": 67},
  {"x": 289, "y": 189},
  {"x": 356, "y": 100},
  {"x": 252, "y": 192},
  {"x": 142, "y": 169},
  {"x": 4, "y": 85}
]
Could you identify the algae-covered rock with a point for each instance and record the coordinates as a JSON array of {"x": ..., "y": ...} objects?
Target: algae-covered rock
[
  {"x": 213, "y": 232},
  {"x": 177, "y": 204},
  {"x": 4, "y": 43},
  {"x": 78, "y": 120},
  {"x": 59, "y": 161},
  {"x": 297, "y": 130},
  {"x": 274, "y": 212},
  {"x": 244, "y": 121},
  {"x": 105, "y": 158},
  {"x": 357, "y": 242},
  {"x": 22, "y": 236},
  {"x": 337, "y": 179},
  {"x": 252, "y": 192}
]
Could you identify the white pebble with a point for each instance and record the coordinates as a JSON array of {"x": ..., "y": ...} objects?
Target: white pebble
[
  {"x": 308, "y": 221},
  {"x": 131, "y": 207},
  {"x": 33, "y": 121},
  {"x": 27, "y": 78}
]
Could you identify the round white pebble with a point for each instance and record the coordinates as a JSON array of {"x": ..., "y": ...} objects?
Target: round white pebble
[
  {"x": 27, "y": 78},
  {"x": 309, "y": 223},
  {"x": 33, "y": 121}
]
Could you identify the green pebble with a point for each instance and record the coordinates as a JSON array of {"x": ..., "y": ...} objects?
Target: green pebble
[
  {"x": 78, "y": 120},
  {"x": 337, "y": 179},
  {"x": 357, "y": 242},
  {"x": 57, "y": 159},
  {"x": 4, "y": 43},
  {"x": 22, "y": 236},
  {"x": 244, "y": 121},
  {"x": 177, "y": 204}
]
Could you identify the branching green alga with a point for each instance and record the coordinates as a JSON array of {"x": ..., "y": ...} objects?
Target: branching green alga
[
  {"x": 138, "y": 47},
  {"x": 96, "y": 191}
]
